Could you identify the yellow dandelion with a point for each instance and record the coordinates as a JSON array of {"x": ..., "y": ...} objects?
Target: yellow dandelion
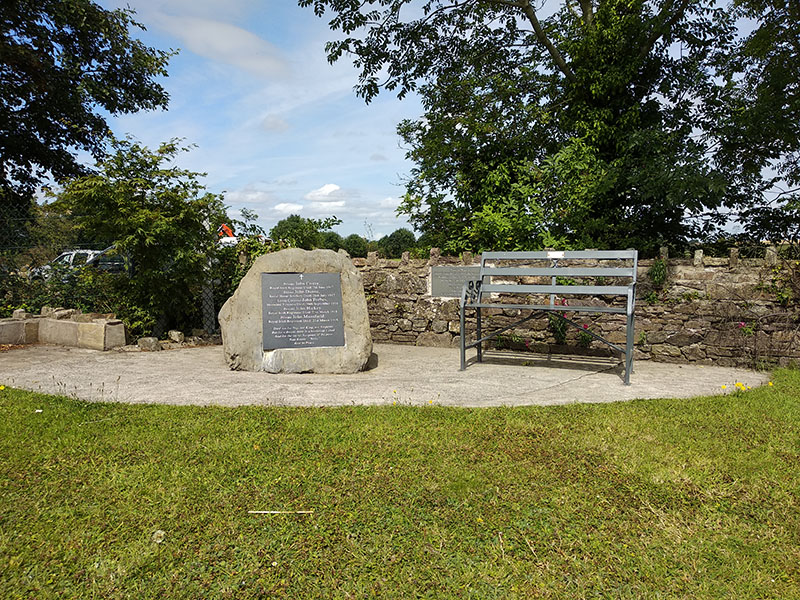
[
  {"x": 479, "y": 520},
  {"x": 430, "y": 401},
  {"x": 395, "y": 402},
  {"x": 2, "y": 387},
  {"x": 770, "y": 384},
  {"x": 724, "y": 387}
]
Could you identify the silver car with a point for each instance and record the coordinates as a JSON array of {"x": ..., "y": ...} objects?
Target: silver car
[{"x": 69, "y": 259}]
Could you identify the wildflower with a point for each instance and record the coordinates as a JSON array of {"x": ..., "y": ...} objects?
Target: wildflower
[
  {"x": 430, "y": 401},
  {"x": 2, "y": 387},
  {"x": 479, "y": 520},
  {"x": 742, "y": 324},
  {"x": 770, "y": 384},
  {"x": 724, "y": 387},
  {"x": 586, "y": 326}
]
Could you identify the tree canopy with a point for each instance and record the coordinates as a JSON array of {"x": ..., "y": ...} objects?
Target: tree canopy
[
  {"x": 157, "y": 215},
  {"x": 302, "y": 232},
  {"x": 600, "y": 123},
  {"x": 397, "y": 242},
  {"x": 63, "y": 62}
]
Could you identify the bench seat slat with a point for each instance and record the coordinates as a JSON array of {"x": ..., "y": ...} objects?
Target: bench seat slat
[
  {"x": 587, "y": 309},
  {"x": 558, "y": 271},
  {"x": 594, "y": 290},
  {"x": 566, "y": 254}
]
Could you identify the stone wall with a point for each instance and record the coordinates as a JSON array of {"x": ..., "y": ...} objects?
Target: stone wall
[
  {"x": 718, "y": 311},
  {"x": 63, "y": 327}
]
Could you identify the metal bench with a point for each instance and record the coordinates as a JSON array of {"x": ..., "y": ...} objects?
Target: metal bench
[{"x": 509, "y": 275}]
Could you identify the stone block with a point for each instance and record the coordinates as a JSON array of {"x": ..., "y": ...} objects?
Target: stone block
[
  {"x": 439, "y": 340},
  {"x": 149, "y": 344},
  {"x": 660, "y": 351},
  {"x": 684, "y": 338},
  {"x": 242, "y": 325},
  {"x": 404, "y": 338},
  {"x": 64, "y": 313},
  {"x": 32, "y": 331},
  {"x": 693, "y": 353},
  {"x": 58, "y": 331},
  {"x": 92, "y": 335},
  {"x": 175, "y": 336},
  {"x": 20, "y": 314},
  {"x": 12, "y": 331},
  {"x": 419, "y": 324},
  {"x": 115, "y": 334},
  {"x": 439, "y": 326}
]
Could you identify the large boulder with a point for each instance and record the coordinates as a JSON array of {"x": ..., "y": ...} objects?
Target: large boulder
[{"x": 242, "y": 318}]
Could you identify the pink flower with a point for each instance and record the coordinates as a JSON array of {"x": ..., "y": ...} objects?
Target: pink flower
[
  {"x": 742, "y": 324},
  {"x": 564, "y": 315},
  {"x": 585, "y": 326}
]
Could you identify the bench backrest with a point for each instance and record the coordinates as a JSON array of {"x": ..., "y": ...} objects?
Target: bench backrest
[{"x": 580, "y": 264}]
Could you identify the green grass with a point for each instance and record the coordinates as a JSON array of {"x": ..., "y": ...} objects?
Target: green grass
[{"x": 648, "y": 499}]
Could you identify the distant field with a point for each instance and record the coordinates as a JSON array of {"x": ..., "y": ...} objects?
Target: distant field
[{"x": 691, "y": 498}]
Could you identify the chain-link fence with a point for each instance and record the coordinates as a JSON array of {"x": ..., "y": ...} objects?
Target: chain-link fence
[{"x": 46, "y": 260}]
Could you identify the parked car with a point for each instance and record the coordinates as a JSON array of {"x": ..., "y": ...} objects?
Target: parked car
[
  {"x": 109, "y": 261},
  {"x": 67, "y": 260}
]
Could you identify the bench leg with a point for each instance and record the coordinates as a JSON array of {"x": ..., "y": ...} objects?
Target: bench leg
[
  {"x": 463, "y": 342},
  {"x": 628, "y": 349},
  {"x": 479, "y": 335}
]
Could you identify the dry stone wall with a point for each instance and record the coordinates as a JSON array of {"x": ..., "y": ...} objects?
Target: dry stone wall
[{"x": 721, "y": 311}]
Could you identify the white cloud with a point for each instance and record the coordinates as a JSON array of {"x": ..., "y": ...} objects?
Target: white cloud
[
  {"x": 274, "y": 123},
  {"x": 322, "y": 206},
  {"x": 389, "y": 203},
  {"x": 288, "y": 208},
  {"x": 226, "y": 43},
  {"x": 323, "y": 193},
  {"x": 248, "y": 196}
]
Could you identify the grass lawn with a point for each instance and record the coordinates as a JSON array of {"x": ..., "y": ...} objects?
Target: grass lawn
[{"x": 648, "y": 499}]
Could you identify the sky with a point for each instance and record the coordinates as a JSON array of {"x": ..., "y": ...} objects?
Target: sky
[{"x": 277, "y": 129}]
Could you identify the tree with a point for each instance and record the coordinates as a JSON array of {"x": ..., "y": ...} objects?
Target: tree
[
  {"x": 397, "y": 242},
  {"x": 602, "y": 124},
  {"x": 331, "y": 240},
  {"x": 762, "y": 135},
  {"x": 302, "y": 232},
  {"x": 355, "y": 245},
  {"x": 63, "y": 63},
  {"x": 158, "y": 216}
]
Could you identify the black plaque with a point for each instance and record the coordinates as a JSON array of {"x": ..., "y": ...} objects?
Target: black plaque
[
  {"x": 301, "y": 310},
  {"x": 446, "y": 282}
]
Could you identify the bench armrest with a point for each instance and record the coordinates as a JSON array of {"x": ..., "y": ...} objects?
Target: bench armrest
[{"x": 471, "y": 291}]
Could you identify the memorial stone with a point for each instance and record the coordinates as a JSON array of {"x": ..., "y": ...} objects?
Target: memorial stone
[{"x": 298, "y": 311}]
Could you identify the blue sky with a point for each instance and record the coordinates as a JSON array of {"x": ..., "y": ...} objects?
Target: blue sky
[{"x": 277, "y": 128}]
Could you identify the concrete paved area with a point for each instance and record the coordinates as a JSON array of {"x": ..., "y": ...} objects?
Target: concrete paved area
[{"x": 404, "y": 374}]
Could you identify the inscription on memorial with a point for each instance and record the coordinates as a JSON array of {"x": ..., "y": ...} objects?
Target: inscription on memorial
[
  {"x": 446, "y": 282},
  {"x": 301, "y": 310}
]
